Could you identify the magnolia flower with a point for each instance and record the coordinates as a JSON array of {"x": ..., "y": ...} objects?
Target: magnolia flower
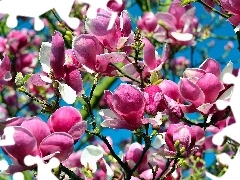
[
  {"x": 232, "y": 6},
  {"x": 177, "y": 26},
  {"x": 53, "y": 57},
  {"x": 127, "y": 108},
  {"x": 91, "y": 155},
  {"x": 114, "y": 39},
  {"x": 202, "y": 86},
  {"x": 90, "y": 53},
  {"x": 148, "y": 22},
  {"x": 5, "y": 68},
  {"x": 33, "y": 137},
  {"x": 151, "y": 58},
  {"x": 16, "y": 40},
  {"x": 67, "y": 119},
  {"x": 179, "y": 136}
]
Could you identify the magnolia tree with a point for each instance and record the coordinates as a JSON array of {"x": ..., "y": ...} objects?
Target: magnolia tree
[{"x": 56, "y": 103}]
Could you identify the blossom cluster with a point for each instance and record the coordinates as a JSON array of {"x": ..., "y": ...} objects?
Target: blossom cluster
[{"x": 65, "y": 77}]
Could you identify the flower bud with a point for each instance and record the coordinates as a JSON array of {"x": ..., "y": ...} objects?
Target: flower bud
[
  {"x": 181, "y": 138},
  {"x": 67, "y": 119}
]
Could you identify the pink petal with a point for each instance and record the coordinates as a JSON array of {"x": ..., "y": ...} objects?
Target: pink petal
[
  {"x": 64, "y": 118},
  {"x": 193, "y": 72},
  {"x": 37, "y": 127},
  {"x": 5, "y": 65},
  {"x": 116, "y": 124},
  {"x": 55, "y": 142},
  {"x": 73, "y": 79},
  {"x": 128, "y": 102},
  {"x": 36, "y": 80},
  {"x": 235, "y": 20},
  {"x": 85, "y": 49},
  {"x": 127, "y": 25},
  {"x": 103, "y": 60},
  {"x": 25, "y": 144},
  {"x": 211, "y": 66},
  {"x": 165, "y": 16},
  {"x": 211, "y": 86},
  {"x": 149, "y": 54},
  {"x": 170, "y": 89},
  {"x": 57, "y": 56},
  {"x": 78, "y": 130},
  {"x": 191, "y": 92}
]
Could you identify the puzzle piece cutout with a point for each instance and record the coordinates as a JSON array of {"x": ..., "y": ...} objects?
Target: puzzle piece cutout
[
  {"x": 8, "y": 137},
  {"x": 94, "y": 6},
  {"x": 4, "y": 166},
  {"x": 44, "y": 171},
  {"x": 8, "y": 140},
  {"x": 231, "y": 131},
  {"x": 35, "y": 8}
]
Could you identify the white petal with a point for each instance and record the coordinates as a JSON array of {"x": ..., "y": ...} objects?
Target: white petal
[
  {"x": 90, "y": 155},
  {"x": 67, "y": 93},
  {"x": 227, "y": 94},
  {"x": 108, "y": 113},
  {"x": 182, "y": 36},
  {"x": 227, "y": 69},
  {"x": 110, "y": 172},
  {"x": 46, "y": 79},
  {"x": 159, "y": 141},
  {"x": 112, "y": 20},
  {"x": 88, "y": 69},
  {"x": 44, "y": 56},
  {"x": 121, "y": 42},
  {"x": 8, "y": 133}
]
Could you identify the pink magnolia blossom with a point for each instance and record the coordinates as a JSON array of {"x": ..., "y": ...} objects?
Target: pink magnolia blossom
[
  {"x": 164, "y": 98},
  {"x": 151, "y": 61},
  {"x": 182, "y": 133},
  {"x": 67, "y": 119},
  {"x": 90, "y": 53},
  {"x": 33, "y": 137},
  {"x": 151, "y": 58},
  {"x": 201, "y": 86},
  {"x": 171, "y": 100},
  {"x": 127, "y": 108},
  {"x": 5, "y": 68},
  {"x": 148, "y": 22},
  {"x": 16, "y": 40},
  {"x": 232, "y": 6},
  {"x": 113, "y": 5},
  {"x": 179, "y": 64},
  {"x": 26, "y": 63},
  {"x": 132, "y": 157},
  {"x": 179, "y": 24},
  {"x": 152, "y": 99},
  {"x": 64, "y": 66},
  {"x": 115, "y": 38}
]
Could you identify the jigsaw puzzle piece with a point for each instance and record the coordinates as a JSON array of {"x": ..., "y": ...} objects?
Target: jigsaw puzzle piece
[
  {"x": 63, "y": 8},
  {"x": 44, "y": 170}
]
